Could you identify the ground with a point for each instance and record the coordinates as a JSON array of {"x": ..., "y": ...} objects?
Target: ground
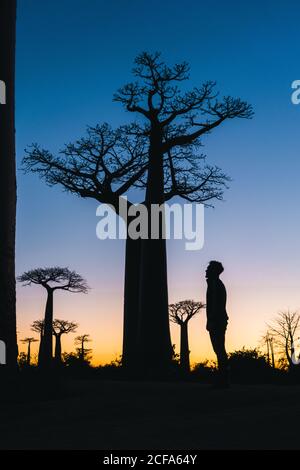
[{"x": 95, "y": 414}]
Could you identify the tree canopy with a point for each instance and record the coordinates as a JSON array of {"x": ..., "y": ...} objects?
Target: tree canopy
[{"x": 55, "y": 278}]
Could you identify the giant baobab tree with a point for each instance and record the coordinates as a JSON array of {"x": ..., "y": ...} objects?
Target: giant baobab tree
[
  {"x": 28, "y": 341},
  {"x": 104, "y": 165},
  {"x": 172, "y": 119},
  {"x": 161, "y": 157},
  {"x": 285, "y": 330},
  {"x": 52, "y": 279},
  {"x": 8, "y": 183},
  {"x": 61, "y": 327},
  {"x": 181, "y": 313}
]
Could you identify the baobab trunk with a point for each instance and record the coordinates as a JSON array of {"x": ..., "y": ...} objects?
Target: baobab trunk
[
  {"x": 47, "y": 348},
  {"x": 131, "y": 297},
  {"x": 8, "y": 183},
  {"x": 155, "y": 348},
  {"x": 131, "y": 303},
  {"x": 28, "y": 354},
  {"x": 184, "y": 348},
  {"x": 57, "y": 353}
]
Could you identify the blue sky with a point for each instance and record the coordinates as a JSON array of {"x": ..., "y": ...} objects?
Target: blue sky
[{"x": 72, "y": 56}]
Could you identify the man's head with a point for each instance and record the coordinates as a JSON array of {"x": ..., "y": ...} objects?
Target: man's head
[{"x": 214, "y": 269}]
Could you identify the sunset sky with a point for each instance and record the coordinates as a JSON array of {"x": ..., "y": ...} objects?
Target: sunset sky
[{"x": 72, "y": 55}]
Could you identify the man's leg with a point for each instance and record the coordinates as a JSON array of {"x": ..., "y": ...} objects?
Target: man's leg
[{"x": 218, "y": 343}]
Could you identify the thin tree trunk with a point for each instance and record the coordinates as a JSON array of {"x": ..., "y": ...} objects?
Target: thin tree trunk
[
  {"x": 131, "y": 295},
  {"x": 28, "y": 354},
  {"x": 8, "y": 184},
  {"x": 58, "y": 348},
  {"x": 47, "y": 349},
  {"x": 268, "y": 351},
  {"x": 184, "y": 348},
  {"x": 155, "y": 348},
  {"x": 82, "y": 351},
  {"x": 289, "y": 359},
  {"x": 40, "y": 348},
  {"x": 272, "y": 356}
]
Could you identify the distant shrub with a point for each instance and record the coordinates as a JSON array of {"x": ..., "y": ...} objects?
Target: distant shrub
[
  {"x": 204, "y": 371},
  {"x": 250, "y": 366}
]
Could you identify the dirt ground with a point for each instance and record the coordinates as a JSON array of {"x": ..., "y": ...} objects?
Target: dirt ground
[{"x": 94, "y": 414}]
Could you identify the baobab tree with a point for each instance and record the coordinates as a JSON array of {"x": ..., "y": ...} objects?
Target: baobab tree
[
  {"x": 285, "y": 330},
  {"x": 104, "y": 165},
  {"x": 61, "y": 327},
  {"x": 82, "y": 351},
  {"x": 38, "y": 327},
  {"x": 8, "y": 183},
  {"x": 52, "y": 279},
  {"x": 172, "y": 119},
  {"x": 181, "y": 313},
  {"x": 28, "y": 341}
]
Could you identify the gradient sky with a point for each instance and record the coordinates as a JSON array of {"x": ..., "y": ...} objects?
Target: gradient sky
[{"x": 72, "y": 55}]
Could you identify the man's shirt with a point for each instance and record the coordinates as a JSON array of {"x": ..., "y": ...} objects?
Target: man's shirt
[{"x": 216, "y": 305}]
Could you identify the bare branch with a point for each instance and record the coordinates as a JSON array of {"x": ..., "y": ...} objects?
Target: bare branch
[
  {"x": 61, "y": 327},
  {"x": 55, "y": 278},
  {"x": 100, "y": 166}
]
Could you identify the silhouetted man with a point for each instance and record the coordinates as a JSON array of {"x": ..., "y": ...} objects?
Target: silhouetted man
[{"x": 217, "y": 318}]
